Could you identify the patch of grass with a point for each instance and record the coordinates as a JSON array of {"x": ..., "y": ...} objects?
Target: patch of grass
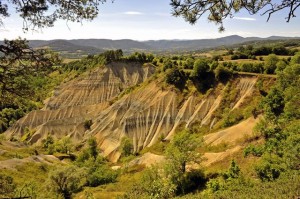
[
  {"x": 157, "y": 148},
  {"x": 217, "y": 148}
]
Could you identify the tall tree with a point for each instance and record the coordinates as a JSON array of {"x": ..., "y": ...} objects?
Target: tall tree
[
  {"x": 218, "y": 10},
  {"x": 17, "y": 63},
  {"x": 44, "y": 13}
]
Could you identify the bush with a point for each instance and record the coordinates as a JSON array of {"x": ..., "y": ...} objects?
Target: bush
[
  {"x": 270, "y": 64},
  {"x": 267, "y": 171},
  {"x": 126, "y": 147},
  {"x": 66, "y": 180},
  {"x": 101, "y": 175},
  {"x": 64, "y": 145},
  {"x": 176, "y": 77},
  {"x": 153, "y": 184},
  {"x": 215, "y": 184},
  {"x": 167, "y": 64},
  {"x": 223, "y": 74},
  {"x": 7, "y": 186},
  {"x": 87, "y": 124}
]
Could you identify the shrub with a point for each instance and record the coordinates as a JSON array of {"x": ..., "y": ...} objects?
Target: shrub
[
  {"x": 87, "y": 124},
  {"x": 223, "y": 74},
  {"x": 270, "y": 63},
  {"x": 7, "y": 186},
  {"x": 215, "y": 184},
  {"x": 267, "y": 171},
  {"x": 176, "y": 77},
  {"x": 126, "y": 147},
  {"x": 101, "y": 175},
  {"x": 66, "y": 180}
]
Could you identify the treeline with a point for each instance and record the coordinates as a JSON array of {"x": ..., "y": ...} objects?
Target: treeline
[
  {"x": 249, "y": 52},
  {"x": 204, "y": 73}
]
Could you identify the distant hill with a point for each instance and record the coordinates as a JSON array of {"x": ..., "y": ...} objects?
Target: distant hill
[
  {"x": 80, "y": 47},
  {"x": 125, "y": 44},
  {"x": 63, "y": 45}
]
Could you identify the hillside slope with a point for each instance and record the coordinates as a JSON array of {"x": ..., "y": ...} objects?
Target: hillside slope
[
  {"x": 144, "y": 115},
  {"x": 78, "y": 101}
]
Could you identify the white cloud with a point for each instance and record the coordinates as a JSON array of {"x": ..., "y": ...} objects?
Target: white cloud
[
  {"x": 245, "y": 18},
  {"x": 132, "y": 13}
]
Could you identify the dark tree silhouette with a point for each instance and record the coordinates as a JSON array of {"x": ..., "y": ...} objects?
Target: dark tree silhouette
[{"x": 218, "y": 10}]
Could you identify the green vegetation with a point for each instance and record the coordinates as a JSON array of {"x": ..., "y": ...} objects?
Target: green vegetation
[
  {"x": 172, "y": 178},
  {"x": 275, "y": 146}
]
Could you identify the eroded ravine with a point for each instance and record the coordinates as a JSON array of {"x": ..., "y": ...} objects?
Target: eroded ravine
[{"x": 144, "y": 115}]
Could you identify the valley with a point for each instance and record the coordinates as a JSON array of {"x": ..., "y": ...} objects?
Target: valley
[{"x": 212, "y": 124}]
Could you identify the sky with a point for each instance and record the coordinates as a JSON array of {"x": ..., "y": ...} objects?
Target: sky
[{"x": 152, "y": 20}]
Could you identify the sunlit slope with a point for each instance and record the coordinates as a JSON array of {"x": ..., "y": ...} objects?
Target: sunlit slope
[
  {"x": 78, "y": 101},
  {"x": 145, "y": 114}
]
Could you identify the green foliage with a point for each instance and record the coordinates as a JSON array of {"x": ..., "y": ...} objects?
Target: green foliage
[
  {"x": 101, "y": 174},
  {"x": 92, "y": 147},
  {"x": 227, "y": 178},
  {"x": 176, "y": 77},
  {"x": 66, "y": 180},
  {"x": 7, "y": 186},
  {"x": 153, "y": 184},
  {"x": 64, "y": 145},
  {"x": 126, "y": 147},
  {"x": 167, "y": 63},
  {"x": 189, "y": 63},
  {"x": 140, "y": 57},
  {"x": 215, "y": 185},
  {"x": 181, "y": 150},
  {"x": 223, "y": 74},
  {"x": 232, "y": 117},
  {"x": 28, "y": 189},
  {"x": 292, "y": 145},
  {"x": 267, "y": 171},
  {"x": 113, "y": 55},
  {"x": 233, "y": 171},
  {"x": 200, "y": 68},
  {"x": 253, "y": 150},
  {"x": 28, "y": 133},
  {"x": 18, "y": 63},
  {"x": 273, "y": 104},
  {"x": 270, "y": 64},
  {"x": 87, "y": 124},
  {"x": 280, "y": 66},
  {"x": 295, "y": 59},
  {"x": 48, "y": 144}
]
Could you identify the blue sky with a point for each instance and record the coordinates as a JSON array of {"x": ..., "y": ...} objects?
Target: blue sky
[{"x": 147, "y": 20}]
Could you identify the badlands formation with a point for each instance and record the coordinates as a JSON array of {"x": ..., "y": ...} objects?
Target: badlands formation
[{"x": 127, "y": 99}]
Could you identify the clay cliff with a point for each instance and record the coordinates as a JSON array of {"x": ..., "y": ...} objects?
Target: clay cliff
[{"x": 145, "y": 114}]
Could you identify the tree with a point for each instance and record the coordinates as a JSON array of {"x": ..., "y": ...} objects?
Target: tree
[
  {"x": 223, "y": 74},
  {"x": 296, "y": 59},
  {"x": 218, "y": 10},
  {"x": 44, "y": 13},
  {"x": 18, "y": 62},
  {"x": 41, "y": 14},
  {"x": 270, "y": 63},
  {"x": 66, "y": 180},
  {"x": 126, "y": 147},
  {"x": 64, "y": 145},
  {"x": 181, "y": 150},
  {"x": 176, "y": 77},
  {"x": 92, "y": 147}
]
